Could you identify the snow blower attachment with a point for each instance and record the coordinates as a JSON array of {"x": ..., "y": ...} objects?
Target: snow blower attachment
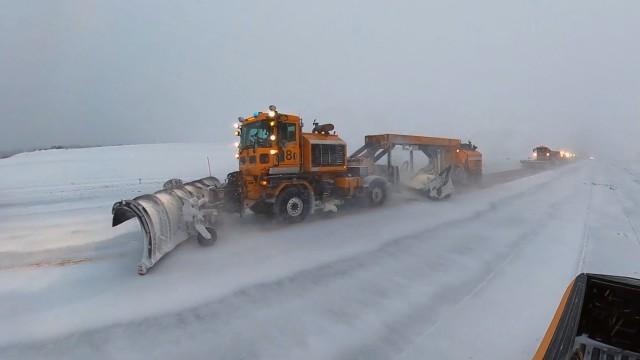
[
  {"x": 171, "y": 216},
  {"x": 433, "y": 186},
  {"x": 445, "y": 156}
]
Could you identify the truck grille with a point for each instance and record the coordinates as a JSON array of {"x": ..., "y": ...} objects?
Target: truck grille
[{"x": 328, "y": 155}]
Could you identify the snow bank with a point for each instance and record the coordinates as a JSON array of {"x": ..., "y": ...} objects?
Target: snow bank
[{"x": 113, "y": 165}]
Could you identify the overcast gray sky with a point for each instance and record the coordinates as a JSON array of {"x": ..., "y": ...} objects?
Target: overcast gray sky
[{"x": 507, "y": 74}]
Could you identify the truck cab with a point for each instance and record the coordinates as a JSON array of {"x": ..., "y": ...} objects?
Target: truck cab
[
  {"x": 541, "y": 153},
  {"x": 267, "y": 141},
  {"x": 274, "y": 154}
]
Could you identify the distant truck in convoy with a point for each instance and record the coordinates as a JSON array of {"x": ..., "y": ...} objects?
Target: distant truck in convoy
[
  {"x": 544, "y": 156},
  {"x": 288, "y": 173}
]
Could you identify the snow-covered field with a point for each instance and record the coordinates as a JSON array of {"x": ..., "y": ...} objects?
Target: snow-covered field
[{"x": 477, "y": 276}]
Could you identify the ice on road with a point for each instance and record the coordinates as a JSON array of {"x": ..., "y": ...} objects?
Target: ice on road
[{"x": 475, "y": 277}]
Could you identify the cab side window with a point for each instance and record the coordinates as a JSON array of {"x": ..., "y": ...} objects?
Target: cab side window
[{"x": 287, "y": 132}]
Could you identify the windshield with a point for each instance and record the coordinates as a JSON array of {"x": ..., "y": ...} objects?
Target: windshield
[{"x": 255, "y": 135}]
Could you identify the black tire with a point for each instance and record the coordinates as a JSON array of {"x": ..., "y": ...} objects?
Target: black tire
[
  {"x": 203, "y": 241},
  {"x": 376, "y": 193},
  {"x": 263, "y": 208},
  {"x": 292, "y": 205}
]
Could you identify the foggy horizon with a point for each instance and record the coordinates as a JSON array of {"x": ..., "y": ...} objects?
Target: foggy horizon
[{"x": 505, "y": 75}]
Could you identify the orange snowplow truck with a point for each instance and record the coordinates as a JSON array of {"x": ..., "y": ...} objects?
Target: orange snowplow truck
[
  {"x": 290, "y": 173},
  {"x": 286, "y": 172}
]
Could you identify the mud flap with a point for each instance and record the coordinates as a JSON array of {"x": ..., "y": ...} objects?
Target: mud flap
[{"x": 171, "y": 216}]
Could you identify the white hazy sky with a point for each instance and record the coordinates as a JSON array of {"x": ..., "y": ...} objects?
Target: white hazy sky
[{"x": 507, "y": 74}]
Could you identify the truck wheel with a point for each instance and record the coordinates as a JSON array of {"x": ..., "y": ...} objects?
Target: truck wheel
[
  {"x": 203, "y": 241},
  {"x": 293, "y": 205},
  {"x": 377, "y": 193}
]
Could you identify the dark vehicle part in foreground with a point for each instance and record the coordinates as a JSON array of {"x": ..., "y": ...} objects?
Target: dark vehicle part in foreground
[{"x": 598, "y": 318}]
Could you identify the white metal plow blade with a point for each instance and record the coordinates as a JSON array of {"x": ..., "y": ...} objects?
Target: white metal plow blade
[
  {"x": 434, "y": 186},
  {"x": 171, "y": 216}
]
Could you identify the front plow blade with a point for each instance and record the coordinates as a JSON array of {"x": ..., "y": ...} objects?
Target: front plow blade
[{"x": 171, "y": 216}]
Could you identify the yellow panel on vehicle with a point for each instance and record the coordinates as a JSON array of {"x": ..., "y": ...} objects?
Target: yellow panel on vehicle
[
  {"x": 348, "y": 184},
  {"x": 324, "y": 153}
]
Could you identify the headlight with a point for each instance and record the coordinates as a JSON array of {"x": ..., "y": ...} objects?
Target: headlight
[
  {"x": 272, "y": 137},
  {"x": 273, "y": 151},
  {"x": 236, "y": 125},
  {"x": 271, "y": 113}
]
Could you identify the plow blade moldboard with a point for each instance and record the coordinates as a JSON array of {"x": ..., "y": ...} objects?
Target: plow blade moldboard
[
  {"x": 171, "y": 216},
  {"x": 435, "y": 187}
]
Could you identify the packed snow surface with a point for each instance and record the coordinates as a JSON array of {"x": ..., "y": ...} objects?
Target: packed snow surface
[{"x": 477, "y": 276}]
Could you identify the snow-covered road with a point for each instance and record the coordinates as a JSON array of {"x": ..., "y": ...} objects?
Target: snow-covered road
[{"x": 477, "y": 276}]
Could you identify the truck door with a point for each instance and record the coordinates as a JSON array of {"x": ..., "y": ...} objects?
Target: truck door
[{"x": 289, "y": 153}]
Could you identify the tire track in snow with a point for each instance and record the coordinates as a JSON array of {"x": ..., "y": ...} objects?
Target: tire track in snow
[
  {"x": 585, "y": 234},
  {"x": 636, "y": 234},
  {"x": 613, "y": 245}
]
